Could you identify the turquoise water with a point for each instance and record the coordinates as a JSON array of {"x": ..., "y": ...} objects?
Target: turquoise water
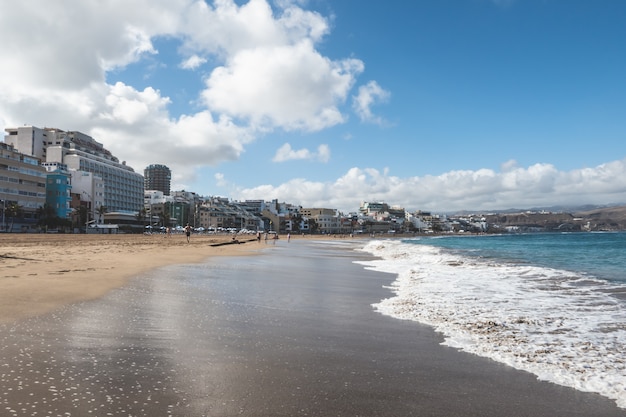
[
  {"x": 601, "y": 255},
  {"x": 550, "y": 304}
]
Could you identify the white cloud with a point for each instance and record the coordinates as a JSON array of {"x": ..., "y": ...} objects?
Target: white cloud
[
  {"x": 286, "y": 153},
  {"x": 226, "y": 29},
  {"x": 288, "y": 86},
  {"x": 266, "y": 74},
  {"x": 323, "y": 153},
  {"x": 484, "y": 189},
  {"x": 67, "y": 49},
  {"x": 220, "y": 180},
  {"x": 368, "y": 95},
  {"x": 193, "y": 62}
]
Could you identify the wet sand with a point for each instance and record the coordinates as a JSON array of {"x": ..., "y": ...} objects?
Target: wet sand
[{"x": 288, "y": 333}]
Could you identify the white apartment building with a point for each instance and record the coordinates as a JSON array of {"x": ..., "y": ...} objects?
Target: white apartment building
[
  {"x": 90, "y": 188},
  {"x": 326, "y": 219},
  {"x": 123, "y": 187},
  {"x": 22, "y": 182}
]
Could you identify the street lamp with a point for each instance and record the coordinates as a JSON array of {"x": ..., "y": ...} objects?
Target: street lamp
[
  {"x": 4, "y": 209},
  {"x": 91, "y": 207}
]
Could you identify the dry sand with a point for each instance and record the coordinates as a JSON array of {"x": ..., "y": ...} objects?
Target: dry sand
[{"x": 40, "y": 272}]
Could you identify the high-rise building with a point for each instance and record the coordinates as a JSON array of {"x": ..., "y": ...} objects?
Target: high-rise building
[
  {"x": 157, "y": 177},
  {"x": 22, "y": 186},
  {"x": 123, "y": 187}
]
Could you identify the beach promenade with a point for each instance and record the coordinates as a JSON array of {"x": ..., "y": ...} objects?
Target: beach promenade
[{"x": 144, "y": 326}]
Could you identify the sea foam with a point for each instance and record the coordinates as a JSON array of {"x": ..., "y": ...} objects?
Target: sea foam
[{"x": 562, "y": 326}]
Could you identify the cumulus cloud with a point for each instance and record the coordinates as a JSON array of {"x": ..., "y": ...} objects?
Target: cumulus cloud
[
  {"x": 288, "y": 86},
  {"x": 266, "y": 73},
  {"x": 286, "y": 153},
  {"x": 482, "y": 190},
  {"x": 262, "y": 70}
]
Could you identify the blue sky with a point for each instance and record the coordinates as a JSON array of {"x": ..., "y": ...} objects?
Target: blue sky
[{"x": 432, "y": 105}]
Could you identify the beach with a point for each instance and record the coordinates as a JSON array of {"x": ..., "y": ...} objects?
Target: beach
[
  {"x": 40, "y": 272},
  {"x": 183, "y": 329}
]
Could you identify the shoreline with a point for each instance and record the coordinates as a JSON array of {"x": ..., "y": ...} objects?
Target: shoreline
[
  {"x": 291, "y": 332},
  {"x": 40, "y": 273}
]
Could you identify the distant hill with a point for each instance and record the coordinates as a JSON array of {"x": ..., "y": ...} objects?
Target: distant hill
[
  {"x": 609, "y": 218},
  {"x": 553, "y": 209},
  {"x": 588, "y": 219}
]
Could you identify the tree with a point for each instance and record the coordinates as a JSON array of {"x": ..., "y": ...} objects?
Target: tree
[
  {"x": 296, "y": 221},
  {"x": 101, "y": 212},
  {"x": 81, "y": 216},
  {"x": 164, "y": 219},
  {"x": 47, "y": 218},
  {"x": 12, "y": 211},
  {"x": 141, "y": 215}
]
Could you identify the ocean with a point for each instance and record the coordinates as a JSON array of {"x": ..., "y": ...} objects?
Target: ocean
[{"x": 553, "y": 304}]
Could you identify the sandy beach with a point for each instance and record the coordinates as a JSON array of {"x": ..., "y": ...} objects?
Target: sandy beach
[
  {"x": 205, "y": 330},
  {"x": 40, "y": 272}
]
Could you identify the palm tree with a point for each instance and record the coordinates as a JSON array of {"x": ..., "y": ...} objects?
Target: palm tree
[
  {"x": 12, "y": 211},
  {"x": 46, "y": 216},
  {"x": 164, "y": 218},
  {"x": 48, "y": 219},
  {"x": 141, "y": 215},
  {"x": 81, "y": 216},
  {"x": 101, "y": 211}
]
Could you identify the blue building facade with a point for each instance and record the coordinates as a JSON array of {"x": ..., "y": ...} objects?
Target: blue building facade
[{"x": 58, "y": 189}]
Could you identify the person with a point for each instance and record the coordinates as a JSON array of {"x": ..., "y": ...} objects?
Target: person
[
  {"x": 288, "y": 237},
  {"x": 188, "y": 232},
  {"x": 258, "y": 237}
]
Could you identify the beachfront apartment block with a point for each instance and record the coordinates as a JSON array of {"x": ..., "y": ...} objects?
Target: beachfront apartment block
[
  {"x": 123, "y": 187},
  {"x": 327, "y": 220},
  {"x": 219, "y": 213},
  {"x": 58, "y": 189},
  {"x": 22, "y": 185},
  {"x": 89, "y": 191}
]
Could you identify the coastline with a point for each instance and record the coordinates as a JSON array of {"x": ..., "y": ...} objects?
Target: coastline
[{"x": 290, "y": 332}]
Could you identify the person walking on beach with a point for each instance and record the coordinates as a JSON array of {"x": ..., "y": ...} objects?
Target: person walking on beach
[{"x": 188, "y": 232}]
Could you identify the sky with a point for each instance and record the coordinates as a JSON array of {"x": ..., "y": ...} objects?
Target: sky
[{"x": 429, "y": 105}]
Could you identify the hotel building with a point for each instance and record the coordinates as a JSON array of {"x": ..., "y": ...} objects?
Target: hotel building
[
  {"x": 123, "y": 187},
  {"x": 22, "y": 184}
]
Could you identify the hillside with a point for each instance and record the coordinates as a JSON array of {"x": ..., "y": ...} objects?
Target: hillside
[
  {"x": 610, "y": 218},
  {"x": 600, "y": 219}
]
